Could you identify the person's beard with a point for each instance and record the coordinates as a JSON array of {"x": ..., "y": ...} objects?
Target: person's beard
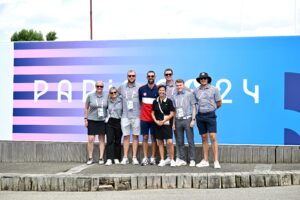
[
  {"x": 130, "y": 81},
  {"x": 151, "y": 81}
]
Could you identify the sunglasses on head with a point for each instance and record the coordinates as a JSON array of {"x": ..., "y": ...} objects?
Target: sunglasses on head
[
  {"x": 113, "y": 92},
  {"x": 168, "y": 74},
  {"x": 131, "y": 75},
  {"x": 99, "y": 86}
]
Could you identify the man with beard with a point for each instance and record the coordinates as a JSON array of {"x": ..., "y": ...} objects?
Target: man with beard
[
  {"x": 147, "y": 94},
  {"x": 130, "y": 120}
]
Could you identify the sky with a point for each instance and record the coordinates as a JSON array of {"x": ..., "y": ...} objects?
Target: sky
[{"x": 148, "y": 19}]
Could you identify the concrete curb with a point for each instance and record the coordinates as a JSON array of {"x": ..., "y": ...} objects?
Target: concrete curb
[{"x": 103, "y": 182}]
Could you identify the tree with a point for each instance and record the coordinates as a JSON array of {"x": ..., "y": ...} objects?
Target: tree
[
  {"x": 27, "y": 35},
  {"x": 51, "y": 36}
]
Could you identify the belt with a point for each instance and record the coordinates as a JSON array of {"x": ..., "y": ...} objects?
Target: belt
[{"x": 185, "y": 117}]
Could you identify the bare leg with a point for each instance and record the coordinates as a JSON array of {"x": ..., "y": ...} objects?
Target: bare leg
[
  {"x": 161, "y": 149},
  {"x": 154, "y": 146},
  {"x": 214, "y": 145},
  {"x": 205, "y": 146},
  {"x": 135, "y": 145},
  {"x": 90, "y": 146},
  {"x": 145, "y": 145},
  {"x": 171, "y": 148},
  {"x": 126, "y": 145}
]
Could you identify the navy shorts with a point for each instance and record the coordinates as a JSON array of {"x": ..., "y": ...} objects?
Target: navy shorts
[
  {"x": 207, "y": 122},
  {"x": 146, "y": 127}
]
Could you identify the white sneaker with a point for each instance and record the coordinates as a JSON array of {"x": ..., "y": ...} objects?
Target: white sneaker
[
  {"x": 101, "y": 161},
  {"x": 173, "y": 163},
  {"x": 152, "y": 161},
  {"x": 203, "y": 163},
  {"x": 161, "y": 163},
  {"x": 124, "y": 161},
  {"x": 168, "y": 161},
  {"x": 108, "y": 162},
  {"x": 180, "y": 163},
  {"x": 135, "y": 161},
  {"x": 90, "y": 161},
  {"x": 217, "y": 165},
  {"x": 116, "y": 161},
  {"x": 145, "y": 162},
  {"x": 192, "y": 163}
]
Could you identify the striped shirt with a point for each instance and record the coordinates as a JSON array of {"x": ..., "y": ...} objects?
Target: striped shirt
[
  {"x": 94, "y": 102},
  {"x": 147, "y": 96},
  {"x": 207, "y": 98}
]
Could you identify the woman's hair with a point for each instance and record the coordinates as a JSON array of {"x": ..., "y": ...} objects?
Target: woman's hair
[
  {"x": 162, "y": 86},
  {"x": 111, "y": 89}
]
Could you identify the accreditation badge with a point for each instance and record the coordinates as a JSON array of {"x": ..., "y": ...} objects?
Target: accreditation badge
[
  {"x": 130, "y": 105},
  {"x": 180, "y": 112},
  {"x": 100, "y": 112}
]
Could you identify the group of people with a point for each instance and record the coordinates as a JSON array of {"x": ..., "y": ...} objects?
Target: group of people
[{"x": 159, "y": 110}]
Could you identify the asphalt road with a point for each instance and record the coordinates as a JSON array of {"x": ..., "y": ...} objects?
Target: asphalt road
[{"x": 270, "y": 193}]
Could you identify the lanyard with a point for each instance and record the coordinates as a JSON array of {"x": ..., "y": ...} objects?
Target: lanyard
[
  {"x": 158, "y": 100},
  {"x": 126, "y": 94},
  {"x": 97, "y": 102},
  {"x": 176, "y": 101}
]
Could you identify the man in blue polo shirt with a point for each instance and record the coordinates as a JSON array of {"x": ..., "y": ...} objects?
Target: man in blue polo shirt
[
  {"x": 209, "y": 100},
  {"x": 147, "y": 94}
]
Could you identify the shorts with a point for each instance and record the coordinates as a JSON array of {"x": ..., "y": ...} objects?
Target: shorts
[
  {"x": 146, "y": 127},
  {"x": 96, "y": 127},
  {"x": 207, "y": 122},
  {"x": 164, "y": 132},
  {"x": 129, "y": 125}
]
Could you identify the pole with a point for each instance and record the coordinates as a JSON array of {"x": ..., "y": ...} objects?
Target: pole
[{"x": 91, "y": 18}]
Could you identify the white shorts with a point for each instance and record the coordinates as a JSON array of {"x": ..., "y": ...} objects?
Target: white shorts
[{"x": 129, "y": 125}]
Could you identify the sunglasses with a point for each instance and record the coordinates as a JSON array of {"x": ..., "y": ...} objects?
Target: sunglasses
[
  {"x": 99, "y": 86},
  {"x": 113, "y": 92},
  {"x": 203, "y": 78},
  {"x": 131, "y": 75},
  {"x": 150, "y": 76},
  {"x": 168, "y": 74}
]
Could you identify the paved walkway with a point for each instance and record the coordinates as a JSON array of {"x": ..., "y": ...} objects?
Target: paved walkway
[{"x": 70, "y": 176}]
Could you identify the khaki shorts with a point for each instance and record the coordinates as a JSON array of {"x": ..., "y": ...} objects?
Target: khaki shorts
[{"x": 130, "y": 126}]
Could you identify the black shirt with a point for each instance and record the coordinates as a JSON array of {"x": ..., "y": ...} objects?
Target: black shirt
[{"x": 166, "y": 106}]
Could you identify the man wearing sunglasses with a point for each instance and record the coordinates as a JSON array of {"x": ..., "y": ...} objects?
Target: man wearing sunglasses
[
  {"x": 130, "y": 121},
  {"x": 147, "y": 94},
  {"x": 209, "y": 100}
]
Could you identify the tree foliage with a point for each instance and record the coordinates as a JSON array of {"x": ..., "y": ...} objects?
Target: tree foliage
[
  {"x": 31, "y": 35},
  {"x": 51, "y": 36},
  {"x": 27, "y": 35}
]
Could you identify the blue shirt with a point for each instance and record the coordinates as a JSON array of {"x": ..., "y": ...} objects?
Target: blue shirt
[{"x": 207, "y": 98}]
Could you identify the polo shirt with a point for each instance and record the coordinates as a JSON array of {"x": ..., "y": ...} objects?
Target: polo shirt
[
  {"x": 207, "y": 98},
  {"x": 147, "y": 95},
  {"x": 166, "y": 106},
  {"x": 186, "y": 100},
  {"x": 94, "y": 102},
  {"x": 130, "y": 94}
]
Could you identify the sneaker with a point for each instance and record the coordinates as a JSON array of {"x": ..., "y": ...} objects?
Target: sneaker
[
  {"x": 173, "y": 163},
  {"x": 161, "y": 163},
  {"x": 217, "y": 165},
  {"x": 192, "y": 163},
  {"x": 203, "y": 163},
  {"x": 152, "y": 161},
  {"x": 145, "y": 162},
  {"x": 180, "y": 163},
  {"x": 124, "y": 161},
  {"x": 101, "y": 161},
  {"x": 116, "y": 161},
  {"x": 108, "y": 162},
  {"x": 90, "y": 161},
  {"x": 135, "y": 161},
  {"x": 168, "y": 161}
]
